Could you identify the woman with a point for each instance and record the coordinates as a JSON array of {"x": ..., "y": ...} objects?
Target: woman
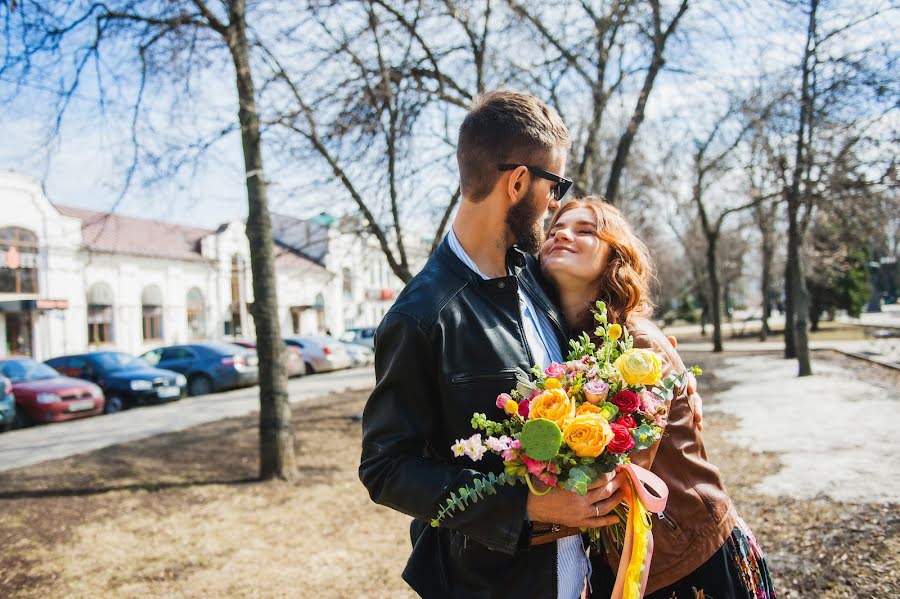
[{"x": 701, "y": 546}]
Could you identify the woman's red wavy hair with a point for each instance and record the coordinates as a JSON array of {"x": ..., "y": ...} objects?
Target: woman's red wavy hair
[{"x": 625, "y": 282}]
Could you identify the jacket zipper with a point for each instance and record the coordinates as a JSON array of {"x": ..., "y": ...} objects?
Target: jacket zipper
[
  {"x": 466, "y": 377},
  {"x": 668, "y": 520}
]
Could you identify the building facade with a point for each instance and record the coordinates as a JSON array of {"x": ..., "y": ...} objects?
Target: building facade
[{"x": 73, "y": 279}]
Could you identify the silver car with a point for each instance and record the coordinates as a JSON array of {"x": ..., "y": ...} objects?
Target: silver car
[
  {"x": 360, "y": 355},
  {"x": 321, "y": 352}
]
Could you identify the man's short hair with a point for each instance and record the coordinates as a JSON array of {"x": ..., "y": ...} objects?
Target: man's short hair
[{"x": 505, "y": 127}]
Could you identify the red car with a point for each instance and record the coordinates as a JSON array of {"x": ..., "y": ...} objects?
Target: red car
[
  {"x": 296, "y": 365},
  {"x": 44, "y": 395}
]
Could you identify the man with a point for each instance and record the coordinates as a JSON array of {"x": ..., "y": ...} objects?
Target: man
[{"x": 453, "y": 340}]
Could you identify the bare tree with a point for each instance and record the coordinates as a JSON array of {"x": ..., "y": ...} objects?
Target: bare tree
[
  {"x": 51, "y": 33},
  {"x": 713, "y": 159},
  {"x": 384, "y": 74},
  {"x": 601, "y": 62}
]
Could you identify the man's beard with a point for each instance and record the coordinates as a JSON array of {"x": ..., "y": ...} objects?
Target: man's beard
[{"x": 525, "y": 222}]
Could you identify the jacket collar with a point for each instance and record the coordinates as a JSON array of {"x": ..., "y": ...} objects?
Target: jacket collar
[
  {"x": 515, "y": 262},
  {"x": 527, "y": 272}
]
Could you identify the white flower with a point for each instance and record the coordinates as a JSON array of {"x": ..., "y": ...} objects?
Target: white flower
[{"x": 498, "y": 445}]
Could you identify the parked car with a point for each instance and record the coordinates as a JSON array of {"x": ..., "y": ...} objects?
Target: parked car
[
  {"x": 126, "y": 381},
  {"x": 360, "y": 336},
  {"x": 296, "y": 366},
  {"x": 7, "y": 405},
  {"x": 321, "y": 353},
  {"x": 360, "y": 355},
  {"x": 44, "y": 395},
  {"x": 208, "y": 367}
]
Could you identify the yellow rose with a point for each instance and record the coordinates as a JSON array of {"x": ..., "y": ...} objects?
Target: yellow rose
[
  {"x": 552, "y": 383},
  {"x": 639, "y": 366},
  {"x": 511, "y": 407},
  {"x": 614, "y": 331},
  {"x": 554, "y": 405},
  {"x": 587, "y": 408},
  {"x": 588, "y": 435}
]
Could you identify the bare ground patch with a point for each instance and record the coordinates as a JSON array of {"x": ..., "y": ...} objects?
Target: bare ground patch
[{"x": 181, "y": 515}]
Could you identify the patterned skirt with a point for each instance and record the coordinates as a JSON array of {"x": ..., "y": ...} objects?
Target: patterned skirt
[{"x": 736, "y": 571}]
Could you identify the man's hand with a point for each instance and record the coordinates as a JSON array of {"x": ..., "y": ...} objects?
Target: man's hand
[{"x": 571, "y": 509}]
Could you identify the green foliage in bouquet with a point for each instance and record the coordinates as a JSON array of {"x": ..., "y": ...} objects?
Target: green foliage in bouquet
[{"x": 485, "y": 485}]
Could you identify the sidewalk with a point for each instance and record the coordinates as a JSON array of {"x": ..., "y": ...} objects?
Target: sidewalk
[
  {"x": 832, "y": 431},
  {"x": 883, "y": 350}
]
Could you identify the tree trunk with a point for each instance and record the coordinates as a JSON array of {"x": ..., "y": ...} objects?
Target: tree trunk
[
  {"x": 276, "y": 437},
  {"x": 798, "y": 293},
  {"x": 790, "y": 347},
  {"x": 715, "y": 292},
  {"x": 797, "y": 280},
  {"x": 637, "y": 117},
  {"x": 766, "y": 283}
]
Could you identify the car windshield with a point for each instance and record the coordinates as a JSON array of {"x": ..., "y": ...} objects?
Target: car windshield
[
  {"x": 18, "y": 371},
  {"x": 111, "y": 361}
]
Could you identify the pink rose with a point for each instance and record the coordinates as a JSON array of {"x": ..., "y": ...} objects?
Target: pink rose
[
  {"x": 555, "y": 370},
  {"x": 653, "y": 407},
  {"x": 502, "y": 399},
  {"x": 596, "y": 391}
]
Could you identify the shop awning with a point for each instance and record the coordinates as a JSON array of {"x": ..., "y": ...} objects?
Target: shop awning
[{"x": 33, "y": 305}]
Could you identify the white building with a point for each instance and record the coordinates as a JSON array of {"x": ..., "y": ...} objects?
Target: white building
[{"x": 74, "y": 279}]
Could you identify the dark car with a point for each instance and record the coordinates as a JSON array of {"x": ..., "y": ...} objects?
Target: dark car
[
  {"x": 208, "y": 366},
  {"x": 44, "y": 395},
  {"x": 7, "y": 405},
  {"x": 296, "y": 365},
  {"x": 126, "y": 381}
]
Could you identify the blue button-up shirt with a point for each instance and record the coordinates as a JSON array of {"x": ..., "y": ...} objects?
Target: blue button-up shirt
[{"x": 573, "y": 566}]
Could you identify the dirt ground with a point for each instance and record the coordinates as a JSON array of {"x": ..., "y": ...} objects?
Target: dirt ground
[{"x": 180, "y": 515}]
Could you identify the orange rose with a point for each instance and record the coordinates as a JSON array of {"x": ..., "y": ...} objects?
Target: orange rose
[
  {"x": 554, "y": 405},
  {"x": 588, "y": 435},
  {"x": 587, "y": 408}
]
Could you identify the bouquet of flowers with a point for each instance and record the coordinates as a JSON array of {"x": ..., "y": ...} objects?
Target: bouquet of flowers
[{"x": 573, "y": 422}]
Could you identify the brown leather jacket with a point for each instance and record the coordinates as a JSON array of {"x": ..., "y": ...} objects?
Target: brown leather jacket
[{"x": 699, "y": 516}]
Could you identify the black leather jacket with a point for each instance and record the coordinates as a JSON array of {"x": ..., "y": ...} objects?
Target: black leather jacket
[{"x": 450, "y": 344}]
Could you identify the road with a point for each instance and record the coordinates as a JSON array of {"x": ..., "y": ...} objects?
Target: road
[{"x": 48, "y": 442}]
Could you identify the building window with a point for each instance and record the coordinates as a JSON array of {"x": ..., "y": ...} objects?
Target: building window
[
  {"x": 99, "y": 319},
  {"x": 18, "y": 260},
  {"x": 99, "y": 314},
  {"x": 151, "y": 313},
  {"x": 196, "y": 314}
]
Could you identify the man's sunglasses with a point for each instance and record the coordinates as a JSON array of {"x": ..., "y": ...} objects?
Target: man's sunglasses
[{"x": 562, "y": 184}]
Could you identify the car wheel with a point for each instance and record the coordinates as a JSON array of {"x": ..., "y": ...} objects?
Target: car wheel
[
  {"x": 200, "y": 385},
  {"x": 310, "y": 369},
  {"x": 113, "y": 404},
  {"x": 22, "y": 420}
]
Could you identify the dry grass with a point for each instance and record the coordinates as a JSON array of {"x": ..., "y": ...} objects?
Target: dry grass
[{"x": 157, "y": 518}]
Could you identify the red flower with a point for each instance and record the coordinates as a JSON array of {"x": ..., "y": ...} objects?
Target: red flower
[
  {"x": 621, "y": 441},
  {"x": 524, "y": 407},
  {"x": 627, "y": 422},
  {"x": 627, "y": 401}
]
